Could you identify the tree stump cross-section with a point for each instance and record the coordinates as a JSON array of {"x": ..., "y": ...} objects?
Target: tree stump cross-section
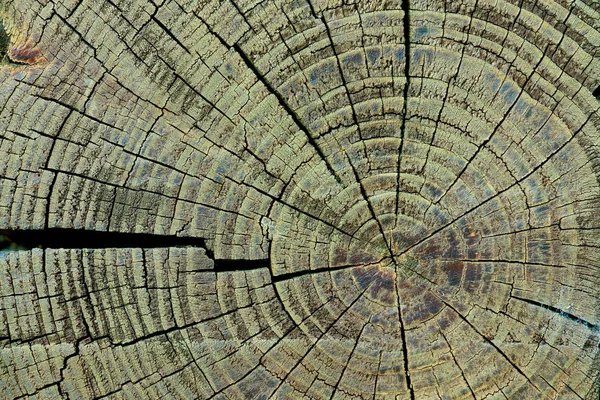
[{"x": 285, "y": 199}]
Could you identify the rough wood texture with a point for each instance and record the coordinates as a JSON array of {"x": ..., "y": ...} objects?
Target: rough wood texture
[{"x": 300, "y": 199}]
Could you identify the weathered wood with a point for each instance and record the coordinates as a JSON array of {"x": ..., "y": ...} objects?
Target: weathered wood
[{"x": 300, "y": 199}]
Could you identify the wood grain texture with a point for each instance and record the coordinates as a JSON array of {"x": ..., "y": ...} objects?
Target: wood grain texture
[{"x": 286, "y": 199}]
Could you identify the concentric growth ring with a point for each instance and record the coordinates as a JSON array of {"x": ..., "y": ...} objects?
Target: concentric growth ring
[{"x": 372, "y": 200}]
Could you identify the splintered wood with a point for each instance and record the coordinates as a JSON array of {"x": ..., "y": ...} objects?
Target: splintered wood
[{"x": 294, "y": 199}]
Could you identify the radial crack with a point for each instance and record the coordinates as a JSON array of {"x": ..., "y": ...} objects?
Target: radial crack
[
  {"x": 320, "y": 336},
  {"x": 560, "y": 312},
  {"x": 407, "y": 58},
  {"x": 497, "y": 127},
  {"x": 404, "y": 346},
  {"x": 441, "y": 228},
  {"x": 512, "y": 363},
  {"x": 283, "y": 103},
  {"x": 458, "y": 365},
  {"x": 337, "y": 384},
  {"x": 297, "y": 274}
]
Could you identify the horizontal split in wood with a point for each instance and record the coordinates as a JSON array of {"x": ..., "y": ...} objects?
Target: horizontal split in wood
[{"x": 59, "y": 238}]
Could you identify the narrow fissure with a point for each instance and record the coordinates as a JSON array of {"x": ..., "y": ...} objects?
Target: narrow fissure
[
  {"x": 283, "y": 103},
  {"x": 407, "y": 49},
  {"x": 297, "y": 274},
  {"x": 560, "y": 312},
  {"x": 491, "y": 343},
  {"x": 407, "y": 58},
  {"x": 356, "y": 123},
  {"x": 404, "y": 347}
]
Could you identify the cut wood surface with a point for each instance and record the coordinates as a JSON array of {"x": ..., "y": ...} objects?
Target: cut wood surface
[{"x": 316, "y": 199}]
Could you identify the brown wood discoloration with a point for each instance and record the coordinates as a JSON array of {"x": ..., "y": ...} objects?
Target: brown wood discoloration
[
  {"x": 300, "y": 199},
  {"x": 25, "y": 54}
]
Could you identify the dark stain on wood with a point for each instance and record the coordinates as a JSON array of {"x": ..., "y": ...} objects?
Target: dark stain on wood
[{"x": 454, "y": 272}]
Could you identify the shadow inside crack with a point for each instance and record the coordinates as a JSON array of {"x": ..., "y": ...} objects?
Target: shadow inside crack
[
  {"x": 64, "y": 238},
  {"x": 4, "y": 41}
]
